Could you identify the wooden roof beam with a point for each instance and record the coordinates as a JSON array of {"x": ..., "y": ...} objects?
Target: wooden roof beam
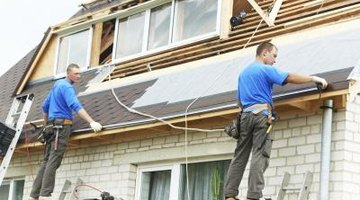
[{"x": 269, "y": 18}]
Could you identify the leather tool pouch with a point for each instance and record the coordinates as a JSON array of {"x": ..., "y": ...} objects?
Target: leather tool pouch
[{"x": 233, "y": 129}]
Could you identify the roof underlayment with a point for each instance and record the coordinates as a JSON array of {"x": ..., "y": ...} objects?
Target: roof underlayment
[
  {"x": 315, "y": 51},
  {"x": 167, "y": 92}
]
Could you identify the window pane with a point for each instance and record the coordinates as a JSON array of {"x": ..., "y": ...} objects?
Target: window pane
[
  {"x": 18, "y": 190},
  {"x": 63, "y": 55},
  {"x": 73, "y": 49},
  {"x": 159, "y": 26},
  {"x": 4, "y": 191},
  {"x": 156, "y": 185},
  {"x": 194, "y": 18},
  {"x": 206, "y": 180},
  {"x": 130, "y": 35},
  {"x": 79, "y": 48}
]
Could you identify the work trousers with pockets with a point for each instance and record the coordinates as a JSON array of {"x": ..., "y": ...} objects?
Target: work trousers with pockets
[
  {"x": 252, "y": 136},
  {"x": 45, "y": 180}
]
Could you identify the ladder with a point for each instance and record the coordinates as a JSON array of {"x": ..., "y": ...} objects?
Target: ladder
[
  {"x": 10, "y": 131},
  {"x": 67, "y": 189},
  {"x": 303, "y": 190}
]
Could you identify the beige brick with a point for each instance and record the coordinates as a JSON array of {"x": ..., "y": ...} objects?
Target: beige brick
[
  {"x": 317, "y": 119},
  {"x": 314, "y": 138},
  {"x": 159, "y": 140},
  {"x": 213, "y": 134},
  {"x": 271, "y": 171},
  {"x": 275, "y": 180},
  {"x": 296, "y": 131},
  {"x": 312, "y": 158},
  {"x": 295, "y": 141},
  {"x": 340, "y": 125},
  {"x": 296, "y": 160},
  {"x": 305, "y": 130},
  {"x": 199, "y": 136},
  {"x": 282, "y": 124},
  {"x": 287, "y": 151},
  {"x": 134, "y": 144},
  {"x": 277, "y": 134},
  {"x": 172, "y": 139},
  {"x": 304, "y": 168},
  {"x": 277, "y": 162},
  {"x": 315, "y": 129},
  {"x": 287, "y": 133},
  {"x": 281, "y": 170},
  {"x": 146, "y": 143},
  {"x": 339, "y": 116},
  {"x": 352, "y": 126},
  {"x": 297, "y": 122},
  {"x": 305, "y": 149},
  {"x": 279, "y": 143}
]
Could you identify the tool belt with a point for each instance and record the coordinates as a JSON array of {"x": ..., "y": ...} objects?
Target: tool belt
[
  {"x": 257, "y": 108},
  {"x": 51, "y": 129},
  {"x": 60, "y": 122},
  {"x": 233, "y": 129}
]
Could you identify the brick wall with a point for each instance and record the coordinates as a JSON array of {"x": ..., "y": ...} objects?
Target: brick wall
[{"x": 296, "y": 149}]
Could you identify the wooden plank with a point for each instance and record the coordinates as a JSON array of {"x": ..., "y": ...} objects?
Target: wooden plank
[
  {"x": 262, "y": 13},
  {"x": 96, "y": 44},
  {"x": 202, "y": 120},
  {"x": 162, "y": 59}
]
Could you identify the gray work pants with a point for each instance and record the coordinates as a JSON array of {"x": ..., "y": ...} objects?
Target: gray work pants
[
  {"x": 252, "y": 136},
  {"x": 45, "y": 180}
]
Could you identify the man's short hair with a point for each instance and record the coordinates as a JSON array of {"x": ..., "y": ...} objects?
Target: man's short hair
[
  {"x": 71, "y": 67},
  {"x": 264, "y": 46}
]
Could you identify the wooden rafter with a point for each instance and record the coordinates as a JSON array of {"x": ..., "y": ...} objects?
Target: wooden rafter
[{"x": 269, "y": 18}]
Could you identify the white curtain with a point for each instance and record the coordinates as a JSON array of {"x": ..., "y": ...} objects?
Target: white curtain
[{"x": 206, "y": 180}]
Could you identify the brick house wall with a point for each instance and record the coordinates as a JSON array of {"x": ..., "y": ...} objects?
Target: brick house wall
[{"x": 296, "y": 149}]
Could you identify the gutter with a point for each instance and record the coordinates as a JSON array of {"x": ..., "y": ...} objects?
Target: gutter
[{"x": 223, "y": 107}]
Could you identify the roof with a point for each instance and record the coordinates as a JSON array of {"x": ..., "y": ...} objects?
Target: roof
[
  {"x": 9, "y": 82},
  {"x": 167, "y": 93},
  {"x": 329, "y": 51}
]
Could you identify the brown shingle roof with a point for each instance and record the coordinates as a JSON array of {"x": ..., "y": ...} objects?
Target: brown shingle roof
[{"x": 9, "y": 82}]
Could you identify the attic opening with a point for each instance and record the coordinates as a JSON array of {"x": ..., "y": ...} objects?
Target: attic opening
[{"x": 107, "y": 42}]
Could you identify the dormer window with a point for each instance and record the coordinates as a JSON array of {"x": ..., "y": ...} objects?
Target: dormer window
[
  {"x": 73, "y": 48},
  {"x": 171, "y": 24}
]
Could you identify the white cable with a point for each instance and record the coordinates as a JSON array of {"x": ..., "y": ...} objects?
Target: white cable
[
  {"x": 156, "y": 118},
  {"x": 202, "y": 94},
  {"x": 186, "y": 128}
]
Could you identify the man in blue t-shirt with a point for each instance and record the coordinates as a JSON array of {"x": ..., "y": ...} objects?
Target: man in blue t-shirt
[
  {"x": 255, "y": 87},
  {"x": 57, "y": 113}
]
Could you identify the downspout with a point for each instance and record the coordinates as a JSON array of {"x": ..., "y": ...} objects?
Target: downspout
[{"x": 326, "y": 149}]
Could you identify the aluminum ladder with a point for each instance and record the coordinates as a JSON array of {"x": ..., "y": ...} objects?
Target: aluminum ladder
[
  {"x": 10, "y": 131},
  {"x": 303, "y": 190}
]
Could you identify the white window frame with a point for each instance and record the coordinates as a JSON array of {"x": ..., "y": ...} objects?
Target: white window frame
[
  {"x": 175, "y": 174},
  {"x": 11, "y": 188},
  {"x": 174, "y": 181},
  {"x": 171, "y": 44},
  {"x": 88, "y": 53}
]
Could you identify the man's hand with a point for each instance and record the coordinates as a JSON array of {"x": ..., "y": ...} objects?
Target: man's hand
[
  {"x": 96, "y": 126},
  {"x": 319, "y": 80}
]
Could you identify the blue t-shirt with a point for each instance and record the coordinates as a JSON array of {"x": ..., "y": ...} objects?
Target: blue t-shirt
[
  {"x": 61, "y": 101},
  {"x": 255, "y": 84}
]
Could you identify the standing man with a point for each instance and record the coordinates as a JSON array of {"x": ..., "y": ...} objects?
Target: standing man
[
  {"x": 255, "y": 99},
  {"x": 57, "y": 114}
]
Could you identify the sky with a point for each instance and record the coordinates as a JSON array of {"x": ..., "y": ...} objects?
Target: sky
[{"x": 24, "y": 22}]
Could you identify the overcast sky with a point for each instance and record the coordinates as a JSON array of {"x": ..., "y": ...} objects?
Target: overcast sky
[{"x": 24, "y": 22}]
